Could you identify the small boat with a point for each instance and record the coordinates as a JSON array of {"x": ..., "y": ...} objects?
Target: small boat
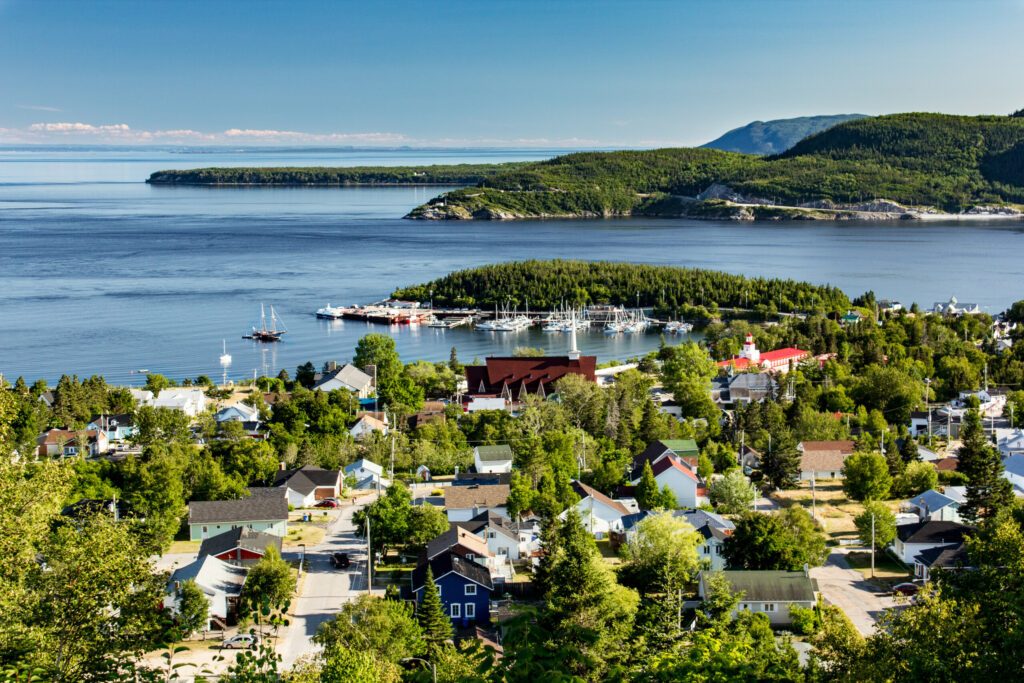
[
  {"x": 264, "y": 333},
  {"x": 329, "y": 312},
  {"x": 143, "y": 371}
]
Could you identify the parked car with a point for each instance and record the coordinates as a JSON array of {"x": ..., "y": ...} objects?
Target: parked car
[
  {"x": 906, "y": 588},
  {"x": 327, "y": 503},
  {"x": 241, "y": 641},
  {"x": 341, "y": 561}
]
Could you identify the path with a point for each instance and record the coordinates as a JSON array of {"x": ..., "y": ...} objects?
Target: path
[
  {"x": 846, "y": 589},
  {"x": 323, "y": 589}
]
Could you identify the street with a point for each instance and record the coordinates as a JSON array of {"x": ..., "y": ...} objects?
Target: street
[
  {"x": 846, "y": 589},
  {"x": 322, "y": 588}
]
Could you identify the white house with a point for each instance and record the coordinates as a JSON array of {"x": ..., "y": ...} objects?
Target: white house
[
  {"x": 238, "y": 412},
  {"x": 366, "y": 425},
  {"x": 1013, "y": 470},
  {"x": 347, "y": 377},
  {"x": 938, "y": 506},
  {"x": 189, "y": 400},
  {"x": 913, "y": 539},
  {"x": 463, "y": 503},
  {"x": 1010, "y": 442},
  {"x": 265, "y": 509},
  {"x": 307, "y": 485},
  {"x": 492, "y": 459},
  {"x": 477, "y": 403},
  {"x": 143, "y": 397},
  {"x": 823, "y": 459},
  {"x": 768, "y": 592},
  {"x": 599, "y": 513},
  {"x": 220, "y": 582},
  {"x": 953, "y": 308},
  {"x": 712, "y": 527},
  {"x": 368, "y": 474},
  {"x": 497, "y": 530},
  {"x": 685, "y": 485}
]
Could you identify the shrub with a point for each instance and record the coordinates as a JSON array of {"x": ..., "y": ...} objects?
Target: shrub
[{"x": 805, "y": 620}]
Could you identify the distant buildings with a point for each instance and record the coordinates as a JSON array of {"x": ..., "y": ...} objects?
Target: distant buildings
[
  {"x": 347, "y": 377},
  {"x": 512, "y": 379},
  {"x": 492, "y": 459},
  {"x": 750, "y": 358},
  {"x": 953, "y": 308},
  {"x": 823, "y": 459}
]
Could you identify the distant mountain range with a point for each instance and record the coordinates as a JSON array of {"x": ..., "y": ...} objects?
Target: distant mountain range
[{"x": 775, "y": 137}]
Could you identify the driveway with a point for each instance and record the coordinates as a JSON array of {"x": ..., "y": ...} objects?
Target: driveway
[
  {"x": 846, "y": 589},
  {"x": 322, "y": 588}
]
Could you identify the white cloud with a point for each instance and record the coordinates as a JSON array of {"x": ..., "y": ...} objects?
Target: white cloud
[
  {"x": 115, "y": 129},
  {"x": 37, "y": 107}
]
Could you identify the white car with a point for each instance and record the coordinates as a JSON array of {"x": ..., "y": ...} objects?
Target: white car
[{"x": 241, "y": 642}]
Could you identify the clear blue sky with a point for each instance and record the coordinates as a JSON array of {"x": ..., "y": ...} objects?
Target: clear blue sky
[{"x": 565, "y": 73}]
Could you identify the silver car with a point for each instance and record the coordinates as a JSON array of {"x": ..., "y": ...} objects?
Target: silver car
[{"x": 241, "y": 642}]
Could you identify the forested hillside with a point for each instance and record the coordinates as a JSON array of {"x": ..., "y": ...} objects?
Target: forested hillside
[
  {"x": 775, "y": 137},
  {"x": 546, "y": 284},
  {"x": 921, "y": 160},
  {"x": 450, "y": 174}
]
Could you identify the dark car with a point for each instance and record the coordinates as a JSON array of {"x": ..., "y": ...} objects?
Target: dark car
[
  {"x": 340, "y": 560},
  {"x": 327, "y": 503},
  {"x": 907, "y": 589}
]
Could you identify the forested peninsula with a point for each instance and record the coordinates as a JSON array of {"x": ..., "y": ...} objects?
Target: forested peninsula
[
  {"x": 443, "y": 174},
  {"x": 697, "y": 294},
  {"x": 887, "y": 167}
]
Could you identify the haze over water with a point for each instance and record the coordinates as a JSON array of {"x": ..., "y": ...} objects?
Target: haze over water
[{"x": 101, "y": 273}]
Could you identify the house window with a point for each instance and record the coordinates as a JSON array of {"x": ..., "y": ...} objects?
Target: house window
[
  {"x": 769, "y": 607},
  {"x": 470, "y": 610},
  {"x": 490, "y": 534},
  {"x": 470, "y": 556},
  {"x": 503, "y": 551},
  {"x": 744, "y": 606},
  {"x": 456, "y": 610},
  {"x": 204, "y": 529},
  {"x": 470, "y": 589}
]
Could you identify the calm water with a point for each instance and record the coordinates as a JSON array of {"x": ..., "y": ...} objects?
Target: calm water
[{"x": 100, "y": 273}]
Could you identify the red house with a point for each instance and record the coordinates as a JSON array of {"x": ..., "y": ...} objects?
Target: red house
[
  {"x": 514, "y": 378},
  {"x": 240, "y": 546}
]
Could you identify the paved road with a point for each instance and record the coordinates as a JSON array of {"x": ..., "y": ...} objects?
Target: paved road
[
  {"x": 846, "y": 589},
  {"x": 323, "y": 588}
]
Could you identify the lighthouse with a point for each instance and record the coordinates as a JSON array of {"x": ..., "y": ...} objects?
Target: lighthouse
[{"x": 750, "y": 351}]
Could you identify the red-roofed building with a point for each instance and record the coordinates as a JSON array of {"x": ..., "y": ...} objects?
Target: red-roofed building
[
  {"x": 515, "y": 378},
  {"x": 683, "y": 482},
  {"x": 779, "y": 360}
]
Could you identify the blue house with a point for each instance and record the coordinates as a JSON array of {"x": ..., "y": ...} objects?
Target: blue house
[{"x": 465, "y": 588}]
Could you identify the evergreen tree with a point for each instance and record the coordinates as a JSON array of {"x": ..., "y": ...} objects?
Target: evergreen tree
[
  {"x": 780, "y": 464},
  {"x": 667, "y": 499},
  {"x": 453, "y": 361},
  {"x": 908, "y": 450},
  {"x": 647, "y": 494},
  {"x": 437, "y": 627},
  {"x": 987, "y": 490},
  {"x": 549, "y": 551},
  {"x": 894, "y": 458}
]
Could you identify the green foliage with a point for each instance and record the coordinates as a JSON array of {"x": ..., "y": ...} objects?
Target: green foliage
[
  {"x": 648, "y": 497},
  {"x": 545, "y": 284},
  {"x": 774, "y": 137},
  {"x": 805, "y": 620},
  {"x": 385, "y": 628},
  {"x": 396, "y": 523},
  {"x": 784, "y": 540},
  {"x": 884, "y": 524},
  {"x": 987, "y": 490},
  {"x": 917, "y": 477},
  {"x": 439, "y": 174},
  {"x": 866, "y": 476},
  {"x": 270, "y": 580},
  {"x": 394, "y": 386},
  {"x": 193, "y": 609},
  {"x": 662, "y": 556},
  {"x": 732, "y": 493},
  {"x": 435, "y": 624}
]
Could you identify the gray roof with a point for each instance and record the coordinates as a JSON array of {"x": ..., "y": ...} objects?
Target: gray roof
[
  {"x": 258, "y": 507},
  {"x": 1014, "y": 464},
  {"x": 497, "y": 453},
  {"x": 241, "y": 537},
  {"x": 931, "y": 500},
  {"x": 489, "y": 519},
  {"x": 349, "y": 376},
  {"x": 752, "y": 381},
  {"x": 944, "y": 557},
  {"x": 449, "y": 562},
  {"x": 708, "y": 524},
  {"x": 211, "y": 575},
  {"x": 772, "y": 586},
  {"x": 933, "y": 532},
  {"x": 307, "y": 479}
]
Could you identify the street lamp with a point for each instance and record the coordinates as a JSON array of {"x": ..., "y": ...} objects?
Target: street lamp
[{"x": 433, "y": 669}]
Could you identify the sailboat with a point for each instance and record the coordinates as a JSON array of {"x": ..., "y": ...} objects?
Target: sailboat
[{"x": 264, "y": 333}]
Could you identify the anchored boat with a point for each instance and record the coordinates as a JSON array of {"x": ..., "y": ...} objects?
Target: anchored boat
[{"x": 263, "y": 333}]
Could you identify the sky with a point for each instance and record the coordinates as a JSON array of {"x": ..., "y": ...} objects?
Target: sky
[{"x": 573, "y": 74}]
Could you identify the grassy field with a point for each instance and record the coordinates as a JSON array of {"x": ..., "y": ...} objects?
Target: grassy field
[
  {"x": 308, "y": 534},
  {"x": 886, "y": 568},
  {"x": 833, "y": 510},
  {"x": 183, "y": 546}
]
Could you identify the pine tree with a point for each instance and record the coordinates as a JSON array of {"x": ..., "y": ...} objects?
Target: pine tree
[
  {"x": 987, "y": 490},
  {"x": 647, "y": 494},
  {"x": 780, "y": 464},
  {"x": 549, "y": 550},
  {"x": 894, "y": 458},
  {"x": 908, "y": 450},
  {"x": 437, "y": 627}
]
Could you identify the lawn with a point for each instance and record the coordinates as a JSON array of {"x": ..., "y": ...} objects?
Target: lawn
[
  {"x": 309, "y": 534},
  {"x": 183, "y": 546},
  {"x": 886, "y": 568},
  {"x": 833, "y": 510}
]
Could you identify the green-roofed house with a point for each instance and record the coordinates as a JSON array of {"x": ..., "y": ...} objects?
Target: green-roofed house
[
  {"x": 683, "y": 449},
  {"x": 492, "y": 459},
  {"x": 769, "y": 592}
]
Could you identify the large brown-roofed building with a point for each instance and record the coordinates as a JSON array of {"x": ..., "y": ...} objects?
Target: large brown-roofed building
[
  {"x": 514, "y": 378},
  {"x": 463, "y": 503}
]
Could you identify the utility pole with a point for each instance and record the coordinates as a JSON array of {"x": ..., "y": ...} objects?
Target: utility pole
[
  {"x": 392, "y": 456},
  {"x": 369, "y": 558},
  {"x": 814, "y": 498},
  {"x": 872, "y": 545}
]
